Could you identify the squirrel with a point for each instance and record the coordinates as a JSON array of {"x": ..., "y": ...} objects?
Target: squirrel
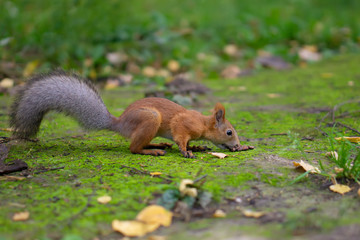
[{"x": 141, "y": 121}]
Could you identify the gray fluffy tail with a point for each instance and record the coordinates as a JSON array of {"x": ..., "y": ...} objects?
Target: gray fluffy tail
[{"x": 62, "y": 92}]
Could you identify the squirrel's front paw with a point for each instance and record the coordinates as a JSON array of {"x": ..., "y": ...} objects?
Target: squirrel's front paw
[{"x": 188, "y": 154}]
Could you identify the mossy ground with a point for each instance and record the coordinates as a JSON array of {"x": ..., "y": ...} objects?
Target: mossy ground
[{"x": 62, "y": 203}]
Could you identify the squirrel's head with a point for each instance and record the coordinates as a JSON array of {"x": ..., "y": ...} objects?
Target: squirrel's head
[{"x": 222, "y": 133}]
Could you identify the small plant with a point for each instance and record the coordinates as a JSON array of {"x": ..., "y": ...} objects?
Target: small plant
[{"x": 347, "y": 159}]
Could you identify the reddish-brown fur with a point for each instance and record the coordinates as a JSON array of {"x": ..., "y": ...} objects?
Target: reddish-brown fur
[{"x": 148, "y": 118}]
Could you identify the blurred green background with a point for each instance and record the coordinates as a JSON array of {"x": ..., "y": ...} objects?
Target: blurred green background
[{"x": 65, "y": 33}]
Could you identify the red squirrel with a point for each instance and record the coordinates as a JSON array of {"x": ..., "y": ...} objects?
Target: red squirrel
[{"x": 142, "y": 121}]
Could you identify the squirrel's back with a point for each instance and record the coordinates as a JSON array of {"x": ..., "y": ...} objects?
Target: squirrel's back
[{"x": 62, "y": 92}]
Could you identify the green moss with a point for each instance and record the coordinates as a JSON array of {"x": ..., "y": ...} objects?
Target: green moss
[{"x": 63, "y": 201}]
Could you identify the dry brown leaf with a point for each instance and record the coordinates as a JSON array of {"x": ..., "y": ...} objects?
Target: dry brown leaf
[
  {"x": 252, "y": 214},
  {"x": 7, "y": 83},
  {"x": 231, "y": 50},
  {"x": 219, "y": 155},
  {"x": 309, "y": 53},
  {"x": 351, "y": 83},
  {"x": 21, "y": 216},
  {"x": 149, "y": 71},
  {"x": 306, "y": 167},
  {"x": 359, "y": 192},
  {"x": 350, "y": 139},
  {"x": 185, "y": 190},
  {"x": 338, "y": 170},
  {"x": 130, "y": 228},
  {"x": 173, "y": 65},
  {"x": 155, "y": 173},
  {"x": 339, "y": 188},
  {"x": 157, "y": 237},
  {"x": 273, "y": 95},
  {"x": 12, "y": 178},
  {"x": 231, "y": 72},
  {"x": 104, "y": 199},
  {"x": 111, "y": 84},
  {"x": 219, "y": 214},
  {"x": 155, "y": 214}
]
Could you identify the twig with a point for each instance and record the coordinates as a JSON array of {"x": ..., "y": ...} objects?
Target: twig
[
  {"x": 13, "y": 166},
  {"x": 147, "y": 173},
  {"x": 278, "y": 134},
  {"x": 49, "y": 169},
  {"x": 348, "y": 127}
]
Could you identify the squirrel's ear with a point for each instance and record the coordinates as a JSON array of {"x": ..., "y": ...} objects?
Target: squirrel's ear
[{"x": 219, "y": 113}]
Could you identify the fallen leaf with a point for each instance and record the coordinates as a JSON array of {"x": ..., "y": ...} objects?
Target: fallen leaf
[
  {"x": 155, "y": 173},
  {"x": 157, "y": 237},
  {"x": 112, "y": 83},
  {"x": 231, "y": 50},
  {"x": 130, "y": 228},
  {"x": 12, "y": 178},
  {"x": 163, "y": 73},
  {"x": 327, "y": 75},
  {"x": 219, "y": 155},
  {"x": 351, "y": 83},
  {"x": 30, "y": 68},
  {"x": 350, "y": 139},
  {"x": 359, "y": 192},
  {"x": 306, "y": 167},
  {"x": 309, "y": 53},
  {"x": 21, "y": 216},
  {"x": 149, "y": 71},
  {"x": 185, "y": 190},
  {"x": 104, "y": 199},
  {"x": 155, "y": 214},
  {"x": 173, "y": 65},
  {"x": 252, "y": 214},
  {"x": 219, "y": 214},
  {"x": 116, "y": 58},
  {"x": 273, "y": 95},
  {"x": 7, "y": 83},
  {"x": 231, "y": 72},
  {"x": 338, "y": 170},
  {"x": 339, "y": 188},
  {"x": 332, "y": 154}
]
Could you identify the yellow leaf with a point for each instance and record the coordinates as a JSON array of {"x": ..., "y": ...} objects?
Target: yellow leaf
[
  {"x": 173, "y": 65},
  {"x": 130, "y": 228},
  {"x": 273, "y": 95},
  {"x": 21, "y": 216},
  {"x": 104, "y": 199},
  {"x": 327, "y": 75},
  {"x": 359, "y": 192},
  {"x": 253, "y": 214},
  {"x": 350, "y": 139},
  {"x": 306, "y": 167},
  {"x": 339, "y": 188},
  {"x": 155, "y": 173},
  {"x": 149, "y": 71},
  {"x": 7, "y": 83},
  {"x": 219, "y": 214},
  {"x": 30, "y": 68},
  {"x": 231, "y": 50},
  {"x": 219, "y": 155},
  {"x": 155, "y": 214},
  {"x": 185, "y": 190}
]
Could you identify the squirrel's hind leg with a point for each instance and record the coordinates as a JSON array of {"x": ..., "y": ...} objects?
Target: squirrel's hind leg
[{"x": 145, "y": 131}]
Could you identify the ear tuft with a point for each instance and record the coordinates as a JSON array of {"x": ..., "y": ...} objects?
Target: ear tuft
[{"x": 219, "y": 112}]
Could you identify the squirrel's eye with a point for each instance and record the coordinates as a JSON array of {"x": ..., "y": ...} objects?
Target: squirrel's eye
[{"x": 229, "y": 132}]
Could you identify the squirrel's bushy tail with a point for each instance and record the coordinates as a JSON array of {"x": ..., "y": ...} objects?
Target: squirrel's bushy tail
[{"x": 62, "y": 92}]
